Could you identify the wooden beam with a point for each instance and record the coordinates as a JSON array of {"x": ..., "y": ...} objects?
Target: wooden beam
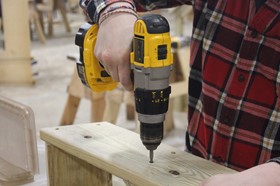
[
  {"x": 70, "y": 110},
  {"x": 76, "y": 91},
  {"x": 61, "y": 7},
  {"x": 118, "y": 151},
  {"x": 70, "y": 170},
  {"x": 15, "y": 60},
  {"x": 179, "y": 89}
]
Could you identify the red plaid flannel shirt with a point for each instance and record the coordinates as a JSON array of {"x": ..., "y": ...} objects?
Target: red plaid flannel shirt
[{"x": 234, "y": 83}]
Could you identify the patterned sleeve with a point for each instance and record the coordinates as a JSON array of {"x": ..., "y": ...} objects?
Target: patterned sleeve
[
  {"x": 92, "y": 8},
  {"x": 276, "y": 160}
]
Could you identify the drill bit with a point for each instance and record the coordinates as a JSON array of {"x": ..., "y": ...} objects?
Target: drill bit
[{"x": 151, "y": 156}]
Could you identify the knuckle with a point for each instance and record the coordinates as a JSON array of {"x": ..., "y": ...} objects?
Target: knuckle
[
  {"x": 106, "y": 55},
  {"x": 106, "y": 58},
  {"x": 97, "y": 53},
  {"x": 102, "y": 55}
]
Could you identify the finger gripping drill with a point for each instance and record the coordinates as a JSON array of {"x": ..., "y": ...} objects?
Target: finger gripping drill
[{"x": 151, "y": 63}]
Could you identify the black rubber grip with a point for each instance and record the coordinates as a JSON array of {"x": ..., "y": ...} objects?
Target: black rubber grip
[{"x": 152, "y": 102}]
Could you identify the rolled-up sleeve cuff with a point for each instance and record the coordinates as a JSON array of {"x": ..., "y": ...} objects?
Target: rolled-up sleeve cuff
[
  {"x": 276, "y": 160},
  {"x": 93, "y": 8}
]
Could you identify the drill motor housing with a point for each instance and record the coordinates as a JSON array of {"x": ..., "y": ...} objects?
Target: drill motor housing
[{"x": 151, "y": 62}]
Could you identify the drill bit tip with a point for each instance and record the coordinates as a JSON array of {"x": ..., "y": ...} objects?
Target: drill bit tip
[{"x": 151, "y": 156}]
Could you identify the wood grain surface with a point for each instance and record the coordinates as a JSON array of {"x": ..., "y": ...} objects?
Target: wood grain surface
[{"x": 120, "y": 152}]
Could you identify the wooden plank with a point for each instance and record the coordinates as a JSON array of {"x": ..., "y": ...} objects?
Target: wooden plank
[
  {"x": 120, "y": 152},
  {"x": 70, "y": 170},
  {"x": 179, "y": 89}
]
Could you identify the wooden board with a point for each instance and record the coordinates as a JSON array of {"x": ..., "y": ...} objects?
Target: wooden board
[
  {"x": 121, "y": 153},
  {"x": 69, "y": 170}
]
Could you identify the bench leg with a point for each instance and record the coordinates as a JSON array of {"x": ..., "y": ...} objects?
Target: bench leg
[
  {"x": 63, "y": 14},
  {"x": 97, "y": 108},
  {"x": 70, "y": 110},
  {"x": 66, "y": 169},
  {"x": 111, "y": 111},
  {"x": 113, "y": 100}
]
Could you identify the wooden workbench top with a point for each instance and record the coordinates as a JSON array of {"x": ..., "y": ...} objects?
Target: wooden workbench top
[{"x": 120, "y": 152}]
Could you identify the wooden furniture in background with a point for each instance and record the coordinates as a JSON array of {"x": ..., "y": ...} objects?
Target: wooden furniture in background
[
  {"x": 77, "y": 91},
  {"x": 73, "y": 6},
  {"x": 88, "y": 154},
  {"x": 15, "y": 59},
  {"x": 48, "y": 7},
  {"x": 35, "y": 20}
]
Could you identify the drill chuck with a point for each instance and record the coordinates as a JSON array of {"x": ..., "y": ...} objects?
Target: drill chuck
[{"x": 151, "y": 134}]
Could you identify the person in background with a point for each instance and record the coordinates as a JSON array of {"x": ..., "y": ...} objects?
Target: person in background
[{"x": 234, "y": 82}]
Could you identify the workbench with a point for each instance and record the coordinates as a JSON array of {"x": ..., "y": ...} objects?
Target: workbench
[{"x": 89, "y": 154}]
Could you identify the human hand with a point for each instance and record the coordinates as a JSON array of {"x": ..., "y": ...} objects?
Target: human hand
[
  {"x": 113, "y": 47},
  {"x": 266, "y": 174}
]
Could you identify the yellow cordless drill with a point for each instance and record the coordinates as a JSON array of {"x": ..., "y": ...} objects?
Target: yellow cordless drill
[{"x": 151, "y": 63}]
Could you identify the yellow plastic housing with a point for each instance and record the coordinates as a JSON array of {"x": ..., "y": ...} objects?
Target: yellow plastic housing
[
  {"x": 151, "y": 43},
  {"x": 93, "y": 67}
]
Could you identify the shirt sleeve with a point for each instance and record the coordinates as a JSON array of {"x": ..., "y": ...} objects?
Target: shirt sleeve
[
  {"x": 146, "y": 5},
  {"x": 276, "y": 160},
  {"x": 92, "y": 8}
]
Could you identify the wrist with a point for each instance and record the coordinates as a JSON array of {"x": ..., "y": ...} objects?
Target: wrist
[
  {"x": 117, "y": 8},
  {"x": 117, "y": 4},
  {"x": 274, "y": 170},
  {"x": 275, "y": 160},
  {"x": 275, "y": 166}
]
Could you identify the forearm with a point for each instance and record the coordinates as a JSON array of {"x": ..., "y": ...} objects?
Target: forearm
[
  {"x": 264, "y": 174},
  {"x": 93, "y": 8}
]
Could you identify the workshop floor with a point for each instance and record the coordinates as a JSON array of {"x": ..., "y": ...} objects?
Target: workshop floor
[{"x": 47, "y": 97}]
